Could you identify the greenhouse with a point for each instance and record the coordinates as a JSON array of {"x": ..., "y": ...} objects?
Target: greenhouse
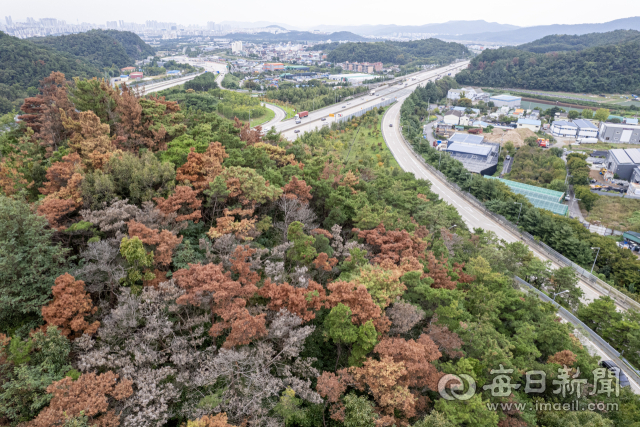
[{"x": 542, "y": 198}]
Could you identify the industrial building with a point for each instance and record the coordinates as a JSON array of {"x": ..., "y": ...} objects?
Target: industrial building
[
  {"x": 452, "y": 117},
  {"x": 622, "y": 162},
  {"x": 564, "y": 128},
  {"x": 474, "y": 94},
  {"x": 506, "y": 101},
  {"x": 623, "y": 133},
  {"x": 586, "y": 129},
  {"x": 476, "y": 155},
  {"x": 273, "y": 66},
  {"x": 531, "y": 124}
]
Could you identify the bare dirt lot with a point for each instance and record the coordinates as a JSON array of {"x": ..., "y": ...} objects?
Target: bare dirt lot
[{"x": 516, "y": 136}]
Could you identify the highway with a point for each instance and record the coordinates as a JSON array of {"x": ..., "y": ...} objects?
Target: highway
[
  {"x": 280, "y": 115},
  {"x": 392, "y": 90}
]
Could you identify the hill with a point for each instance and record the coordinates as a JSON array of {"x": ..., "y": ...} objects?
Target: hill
[
  {"x": 564, "y": 42},
  {"x": 451, "y": 27},
  {"x": 609, "y": 69},
  {"x": 102, "y": 48},
  {"x": 529, "y": 34},
  {"x": 296, "y": 36},
  {"x": 423, "y": 51},
  {"x": 25, "y": 63}
]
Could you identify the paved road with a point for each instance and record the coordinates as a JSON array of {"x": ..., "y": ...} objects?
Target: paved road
[
  {"x": 280, "y": 115},
  {"x": 393, "y": 90}
]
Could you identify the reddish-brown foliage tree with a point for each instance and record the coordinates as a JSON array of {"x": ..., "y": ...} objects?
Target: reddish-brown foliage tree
[
  {"x": 332, "y": 387},
  {"x": 61, "y": 201},
  {"x": 383, "y": 380},
  {"x": 182, "y": 202},
  {"x": 300, "y": 301},
  {"x": 325, "y": 233},
  {"x": 298, "y": 188},
  {"x": 59, "y": 173},
  {"x": 244, "y": 229},
  {"x": 42, "y": 112},
  {"x": 241, "y": 266},
  {"x": 70, "y": 305},
  {"x": 323, "y": 262},
  {"x": 563, "y": 358},
  {"x": 332, "y": 172},
  {"x": 201, "y": 169},
  {"x": 439, "y": 273},
  {"x": 217, "y": 420},
  {"x": 89, "y": 395},
  {"x": 164, "y": 241},
  {"x": 394, "y": 245},
  {"x": 416, "y": 357},
  {"x": 360, "y": 302},
  {"x": 90, "y": 138},
  {"x": 447, "y": 341},
  {"x": 462, "y": 276},
  {"x": 248, "y": 135},
  {"x": 227, "y": 299}
]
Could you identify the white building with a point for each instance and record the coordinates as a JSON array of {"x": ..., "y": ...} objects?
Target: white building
[
  {"x": 474, "y": 94},
  {"x": 236, "y": 47},
  {"x": 586, "y": 129},
  {"x": 506, "y": 100},
  {"x": 531, "y": 124},
  {"x": 452, "y": 117},
  {"x": 619, "y": 132},
  {"x": 564, "y": 129}
]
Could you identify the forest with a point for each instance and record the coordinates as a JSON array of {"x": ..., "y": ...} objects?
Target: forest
[
  {"x": 163, "y": 266},
  {"x": 601, "y": 69},
  {"x": 313, "y": 96},
  {"x": 24, "y": 63},
  {"x": 428, "y": 51},
  {"x": 567, "y": 42}
]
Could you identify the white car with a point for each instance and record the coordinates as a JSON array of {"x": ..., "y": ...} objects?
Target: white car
[
  {"x": 323, "y": 119},
  {"x": 296, "y": 131}
]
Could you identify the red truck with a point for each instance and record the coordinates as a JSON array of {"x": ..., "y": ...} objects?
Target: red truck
[{"x": 302, "y": 114}]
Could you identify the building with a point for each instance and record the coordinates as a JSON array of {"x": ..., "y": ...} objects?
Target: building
[
  {"x": 236, "y": 47},
  {"x": 622, "y": 162},
  {"x": 474, "y": 94},
  {"x": 564, "y": 128},
  {"x": 464, "y": 109},
  {"x": 586, "y": 129},
  {"x": 481, "y": 158},
  {"x": 136, "y": 75},
  {"x": 125, "y": 69},
  {"x": 174, "y": 72},
  {"x": 296, "y": 68},
  {"x": 623, "y": 133},
  {"x": 531, "y": 124},
  {"x": 506, "y": 100},
  {"x": 452, "y": 117},
  {"x": 629, "y": 121},
  {"x": 466, "y": 138},
  {"x": 364, "y": 67},
  {"x": 273, "y": 66}
]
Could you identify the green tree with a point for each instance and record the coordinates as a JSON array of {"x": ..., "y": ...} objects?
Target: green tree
[
  {"x": 358, "y": 411},
  {"x": 602, "y": 114},
  {"x": 303, "y": 251},
  {"x": 600, "y": 314},
  {"x": 29, "y": 265},
  {"x": 587, "y": 198},
  {"x": 573, "y": 114},
  {"x": 587, "y": 113}
]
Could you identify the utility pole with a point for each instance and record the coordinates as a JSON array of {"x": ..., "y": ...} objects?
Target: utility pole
[{"x": 519, "y": 212}]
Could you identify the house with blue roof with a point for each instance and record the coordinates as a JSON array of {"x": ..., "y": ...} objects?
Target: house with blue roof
[{"x": 531, "y": 124}]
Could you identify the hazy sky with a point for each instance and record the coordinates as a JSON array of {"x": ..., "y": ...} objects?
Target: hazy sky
[{"x": 309, "y": 13}]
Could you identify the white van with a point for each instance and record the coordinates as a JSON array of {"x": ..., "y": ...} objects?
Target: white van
[{"x": 587, "y": 140}]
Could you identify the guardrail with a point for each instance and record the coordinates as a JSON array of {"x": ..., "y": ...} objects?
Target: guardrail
[
  {"x": 599, "y": 285},
  {"x": 597, "y": 339},
  {"x": 365, "y": 110}
]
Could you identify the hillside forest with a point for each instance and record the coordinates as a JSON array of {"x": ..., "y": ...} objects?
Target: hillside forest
[
  {"x": 427, "y": 51},
  {"x": 161, "y": 265},
  {"x": 24, "y": 63},
  {"x": 607, "y": 68}
]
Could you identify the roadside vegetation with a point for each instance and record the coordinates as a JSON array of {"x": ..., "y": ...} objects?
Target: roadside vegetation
[
  {"x": 535, "y": 166},
  {"x": 313, "y": 95}
]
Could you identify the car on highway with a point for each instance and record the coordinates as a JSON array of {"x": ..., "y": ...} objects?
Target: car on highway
[
  {"x": 390, "y": 125},
  {"x": 296, "y": 131},
  {"x": 323, "y": 119},
  {"x": 508, "y": 157},
  {"x": 344, "y": 106},
  {"x": 362, "y": 99},
  {"x": 298, "y": 122},
  {"x": 348, "y": 103},
  {"x": 610, "y": 365}
]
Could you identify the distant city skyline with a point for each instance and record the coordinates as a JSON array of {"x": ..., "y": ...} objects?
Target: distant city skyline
[{"x": 349, "y": 13}]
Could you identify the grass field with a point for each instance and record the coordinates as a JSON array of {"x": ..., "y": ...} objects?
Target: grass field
[
  {"x": 616, "y": 212},
  {"x": 264, "y": 119}
]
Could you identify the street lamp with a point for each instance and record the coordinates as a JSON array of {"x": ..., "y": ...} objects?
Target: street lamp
[
  {"x": 559, "y": 293},
  {"x": 519, "y": 212},
  {"x": 594, "y": 261},
  {"x": 454, "y": 225}
]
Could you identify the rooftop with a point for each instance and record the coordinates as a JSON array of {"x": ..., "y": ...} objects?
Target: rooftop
[
  {"x": 563, "y": 123},
  {"x": 621, "y": 155},
  {"x": 622, "y": 125},
  {"x": 506, "y": 97},
  {"x": 542, "y": 198},
  {"x": 474, "y": 148},
  {"x": 529, "y": 122},
  {"x": 466, "y": 138},
  {"x": 584, "y": 124}
]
